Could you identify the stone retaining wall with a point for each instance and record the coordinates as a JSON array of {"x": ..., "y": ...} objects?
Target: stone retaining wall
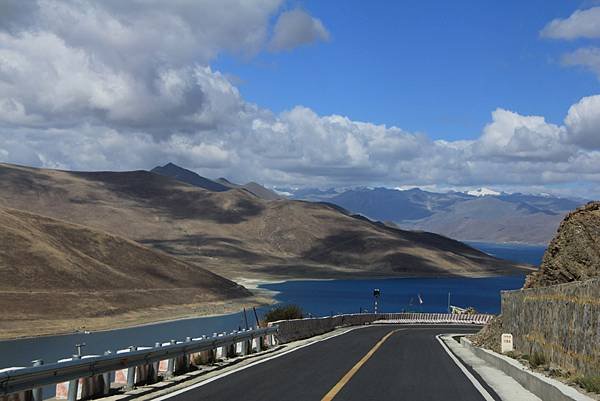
[
  {"x": 297, "y": 329},
  {"x": 562, "y": 322}
]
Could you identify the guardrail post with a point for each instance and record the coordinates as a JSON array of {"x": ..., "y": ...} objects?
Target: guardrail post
[
  {"x": 155, "y": 366},
  {"x": 131, "y": 372},
  {"x": 171, "y": 364},
  {"x": 219, "y": 351},
  {"x": 106, "y": 379},
  {"x": 186, "y": 357},
  {"x": 231, "y": 348},
  {"x": 245, "y": 347},
  {"x": 37, "y": 392},
  {"x": 73, "y": 385},
  {"x": 238, "y": 347},
  {"x": 257, "y": 341}
]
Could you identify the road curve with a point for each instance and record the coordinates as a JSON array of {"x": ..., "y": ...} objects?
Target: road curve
[{"x": 408, "y": 364}]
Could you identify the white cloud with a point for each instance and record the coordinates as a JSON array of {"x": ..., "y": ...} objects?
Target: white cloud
[
  {"x": 295, "y": 28},
  {"x": 580, "y": 24},
  {"x": 587, "y": 57},
  {"x": 513, "y": 136},
  {"x": 114, "y": 85},
  {"x": 583, "y": 122}
]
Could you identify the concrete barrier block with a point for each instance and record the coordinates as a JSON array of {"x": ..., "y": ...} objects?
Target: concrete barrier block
[
  {"x": 22, "y": 396},
  {"x": 291, "y": 330},
  {"x": 89, "y": 387}
]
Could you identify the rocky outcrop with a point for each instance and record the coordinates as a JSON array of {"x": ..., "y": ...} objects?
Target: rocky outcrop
[{"x": 574, "y": 253}]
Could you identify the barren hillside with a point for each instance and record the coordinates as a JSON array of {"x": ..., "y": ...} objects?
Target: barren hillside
[
  {"x": 574, "y": 253},
  {"x": 64, "y": 274},
  {"x": 236, "y": 234}
]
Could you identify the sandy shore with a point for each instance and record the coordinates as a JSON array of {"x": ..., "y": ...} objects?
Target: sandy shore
[{"x": 23, "y": 328}]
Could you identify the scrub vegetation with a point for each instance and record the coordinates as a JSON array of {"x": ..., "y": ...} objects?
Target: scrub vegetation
[{"x": 285, "y": 312}]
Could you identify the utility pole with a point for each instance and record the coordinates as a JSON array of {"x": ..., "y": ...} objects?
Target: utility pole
[
  {"x": 376, "y": 294},
  {"x": 449, "y": 302}
]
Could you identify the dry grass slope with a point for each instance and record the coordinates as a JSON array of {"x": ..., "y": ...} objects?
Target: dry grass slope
[
  {"x": 236, "y": 234},
  {"x": 54, "y": 271}
]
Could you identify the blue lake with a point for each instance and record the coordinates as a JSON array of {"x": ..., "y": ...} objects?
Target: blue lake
[
  {"x": 321, "y": 298},
  {"x": 316, "y": 297},
  {"x": 531, "y": 254}
]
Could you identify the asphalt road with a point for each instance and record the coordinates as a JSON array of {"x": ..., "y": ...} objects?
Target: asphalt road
[{"x": 409, "y": 365}]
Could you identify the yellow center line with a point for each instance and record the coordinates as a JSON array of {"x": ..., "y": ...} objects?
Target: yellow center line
[{"x": 344, "y": 380}]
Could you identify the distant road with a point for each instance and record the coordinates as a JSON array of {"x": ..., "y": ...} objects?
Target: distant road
[{"x": 368, "y": 364}]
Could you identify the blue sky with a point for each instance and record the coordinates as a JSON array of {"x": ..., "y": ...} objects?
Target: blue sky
[
  {"x": 438, "y": 67},
  {"x": 436, "y": 94}
]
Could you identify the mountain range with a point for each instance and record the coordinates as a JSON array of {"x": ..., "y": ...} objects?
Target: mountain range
[
  {"x": 139, "y": 246},
  {"x": 483, "y": 215},
  {"x": 218, "y": 185}
]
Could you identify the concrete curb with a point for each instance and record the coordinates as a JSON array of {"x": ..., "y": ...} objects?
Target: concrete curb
[{"x": 544, "y": 387}]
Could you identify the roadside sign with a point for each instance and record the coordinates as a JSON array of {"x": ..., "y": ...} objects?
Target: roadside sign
[{"x": 506, "y": 344}]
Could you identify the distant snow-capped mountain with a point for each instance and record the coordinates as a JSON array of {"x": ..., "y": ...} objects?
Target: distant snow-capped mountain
[
  {"x": 483, "y": 192},
  {"x": 481, "y": 215}
]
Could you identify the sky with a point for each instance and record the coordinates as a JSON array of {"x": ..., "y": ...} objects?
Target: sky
[{"x": 441, "y": 95}]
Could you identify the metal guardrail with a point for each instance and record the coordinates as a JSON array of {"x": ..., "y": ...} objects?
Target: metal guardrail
[
  {"x": 36, "y": 377},
  {"x": 13, "y": 381},
  {"x": 435, "y": 318}
]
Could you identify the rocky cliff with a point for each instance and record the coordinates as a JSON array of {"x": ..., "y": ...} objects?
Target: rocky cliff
[{"x": 574, "y": 253}]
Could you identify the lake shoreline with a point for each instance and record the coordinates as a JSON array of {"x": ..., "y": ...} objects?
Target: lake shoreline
[
  {"x": 316, "y": 297},
  {"x": 261, "y": 297},
  {"x": 128, "y": 320}
]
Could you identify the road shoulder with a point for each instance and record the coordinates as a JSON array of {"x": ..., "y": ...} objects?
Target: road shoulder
[{"x": 507, "y": 388}]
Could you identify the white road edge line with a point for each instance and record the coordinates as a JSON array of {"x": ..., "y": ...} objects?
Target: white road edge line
[
  {"x": 214, "y": 378},
  {"x": 462, "y": 367}
]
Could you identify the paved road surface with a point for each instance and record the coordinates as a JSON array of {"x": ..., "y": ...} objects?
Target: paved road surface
[{"x": 409, "y": 365}]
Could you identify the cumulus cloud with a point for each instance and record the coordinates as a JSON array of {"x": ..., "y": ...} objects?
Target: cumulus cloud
[
  {"x": 513, "y": 136},
  {"x": 580, "y": 24},
  {"x": 583, "y": 122},
  {"x": 295, "y": 28},
  {"x": 116, "y": 85}
]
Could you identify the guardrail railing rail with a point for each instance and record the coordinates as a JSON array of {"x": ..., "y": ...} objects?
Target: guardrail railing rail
[{"x": 93, "y": 366}]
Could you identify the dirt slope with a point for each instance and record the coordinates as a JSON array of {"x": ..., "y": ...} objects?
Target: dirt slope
[
  {"x": 62, "y": 276},
  {"x": 574, "y": 253},
  {"x": 235, "y": 233}
]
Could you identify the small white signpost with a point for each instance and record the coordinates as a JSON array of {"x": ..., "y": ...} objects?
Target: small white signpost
[{"x": 506, "y": 344}]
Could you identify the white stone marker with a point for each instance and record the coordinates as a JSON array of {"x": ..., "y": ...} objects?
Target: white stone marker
[{"x": 506, "y": 344}]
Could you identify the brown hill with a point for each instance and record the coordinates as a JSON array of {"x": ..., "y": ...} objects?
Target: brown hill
[
  {"x": 254, "y": 188},
  {"x": 236, "y": 234},
  {"x": 574, "y": 253},
  {"x": 64, "y": 274}
]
